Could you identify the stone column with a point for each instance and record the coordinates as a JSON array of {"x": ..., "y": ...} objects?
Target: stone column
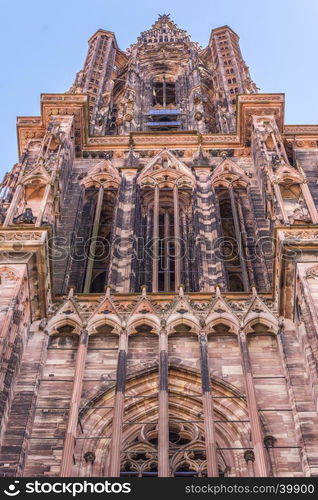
[
  {"x": 210, "y": 441},
  {"x": 6, "y": 324},
  {"x": 309, "y": 202},
  {"x": 188, "y": 279},
  {"x": 163, "y": 434},
  {"x": 280, "y": 201},
  {"x": 92, "y": 246},
  {"x": 239, "y": 239},
  {"x": 115, "y": 450},
  {"x": 43, "y": 205},
  {"x": 177, "y": 236},
  {"x": 155, "y": 238},
  {"x": 255, "y": 422},
  {"x": 217, "y": 233},
  {"x": 13, "y": 206},
  {"x": 148, "y": 257},
  {"x": 243, "y": 224},
  {"x": 70, "y": 435},
  {"x": 166, "y": 251}
]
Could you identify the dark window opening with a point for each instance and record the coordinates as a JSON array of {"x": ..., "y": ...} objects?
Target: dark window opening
[
  {"x": 235, "y": 283},
  {"x": 98, "y": 284},
  {"x": 229, "y": 248},
  {"x": 164, "y": 94}
]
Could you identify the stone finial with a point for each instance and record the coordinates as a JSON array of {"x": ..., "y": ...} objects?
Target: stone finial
[
  {"x": 144, "y": 291},
  {"x": 181, "y": 290}
]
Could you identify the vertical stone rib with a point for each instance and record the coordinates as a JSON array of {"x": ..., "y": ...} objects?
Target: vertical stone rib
[
  {"x": 44, "y": 203},
  {"x": 155, "y": 245},
  {"x": 279, "y": 198},
  {"x": 243, "y": 225},
  {"x": 114, "y": 469},
  {"x": 210, "y": 441},
  {"x": 186, "y": 278},
  {"x": 310, "y": 202},
  {"x": 163, "y": 441},
  {"x": 176, "y": 236},
  {"x": 255, "y": 422},
  {"x": 70, "y": 435},
  {"x": 166, "y": 251},
  {"x": 13, "y": 206},
  {"x": 220, "y": 276}
]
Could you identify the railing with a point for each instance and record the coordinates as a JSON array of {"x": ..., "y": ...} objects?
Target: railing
[
  {"x": 164, "y": 124},
  {"x": 165, "y": 111}
]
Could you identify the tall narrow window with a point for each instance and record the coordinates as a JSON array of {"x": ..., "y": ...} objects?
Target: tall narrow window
[
  {"x": 166, "y": 230},
  {"x": 101, "y": 254}
]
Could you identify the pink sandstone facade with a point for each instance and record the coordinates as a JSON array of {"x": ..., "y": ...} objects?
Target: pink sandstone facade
[{"x": 159, "y": 271}]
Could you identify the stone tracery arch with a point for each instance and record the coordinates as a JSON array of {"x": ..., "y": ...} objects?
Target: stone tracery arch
[
  {"x": 166, "y": 186},
  {"x": 140, "y": 427}
]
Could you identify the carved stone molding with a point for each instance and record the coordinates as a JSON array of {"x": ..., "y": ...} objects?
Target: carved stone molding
[{"x": 8, "y": 274}]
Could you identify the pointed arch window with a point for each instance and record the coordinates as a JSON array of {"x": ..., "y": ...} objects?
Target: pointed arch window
[
  {"x": 103, "y": 203},
  {"x": 231, "y": 248},
  {"x": 166, "y": 229},
  {"x": 94, "y": 229}
]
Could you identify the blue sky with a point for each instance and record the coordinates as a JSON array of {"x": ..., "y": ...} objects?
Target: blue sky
[{"x": 44, "y": 44}]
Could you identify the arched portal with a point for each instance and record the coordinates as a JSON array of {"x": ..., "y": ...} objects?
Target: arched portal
[{"x": 139, "y": 448}]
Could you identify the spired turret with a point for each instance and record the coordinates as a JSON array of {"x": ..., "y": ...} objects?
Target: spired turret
[{"x": 163, "y": 82}]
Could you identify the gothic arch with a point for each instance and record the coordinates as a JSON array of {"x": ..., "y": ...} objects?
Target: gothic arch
[
  {"x": 227, "y": 174},
  {"x": 225, "y": 320},
  {"x": 270, "y": 325},
  {"x": 102, "y": 174},
  {"x": 99, "y": 320},
  {"x": 165, "y": 162},
  {"x": 141, "y": 420},
  {"x": 67, "y": 314},
  {"x": 187, "y": 319},
  {"x": 54, "y": 327},
  {"x": 140, "y": 319}
]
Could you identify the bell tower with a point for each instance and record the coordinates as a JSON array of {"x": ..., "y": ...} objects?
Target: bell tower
[{"x": 158, "y": 271}]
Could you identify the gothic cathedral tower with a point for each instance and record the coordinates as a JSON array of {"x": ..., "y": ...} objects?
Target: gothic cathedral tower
[{"x": 159, "y": 271}]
